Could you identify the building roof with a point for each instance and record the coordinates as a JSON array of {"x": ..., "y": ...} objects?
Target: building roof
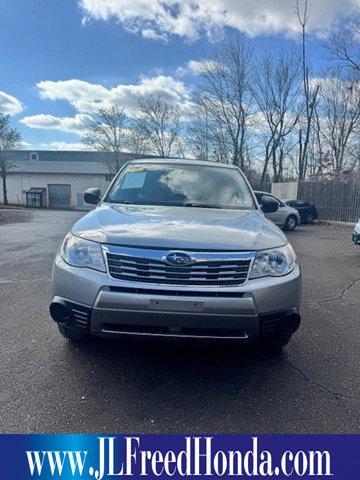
[
  {"x": 87, "y": 168},
  {"x": 72, "y": 162},
  {"x": 68, "y": 156},
  {"x": 83, "y": 162}
]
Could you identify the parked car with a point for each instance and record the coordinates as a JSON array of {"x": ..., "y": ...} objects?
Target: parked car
[
  {"x": 285, "y": 216},
  {"x": 177, "y": 248},
  {"x": 307, "y": 211},
  {"x": 356, "y": 234}
]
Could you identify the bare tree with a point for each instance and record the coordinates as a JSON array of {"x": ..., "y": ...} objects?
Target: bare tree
[
  {"x": 310, "y": 95},
  {"x": 136, "y": 139},
  {"x": 106, "y": 134},
  {"x": 276, "y": 89},
  {"x": 160, "y": 123},
  {"x": 318, "y": 158},
  {"x": 340, "y": 117},
  {"x": 198, "y": 134},
  {"x": 344, "y": 44},
  {"x": 10, "y": 139},
  {"x": 225, "y": 85},
  {"x": 354, "y": 157},
  {"x": 207, "y": 137}
]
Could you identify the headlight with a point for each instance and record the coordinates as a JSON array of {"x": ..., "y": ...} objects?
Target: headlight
[
  {"x": 82, "y": 253},
  {"x": 274, "y": 263}
]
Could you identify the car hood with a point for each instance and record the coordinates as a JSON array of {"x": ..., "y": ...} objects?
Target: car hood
[{"x": 179, "y": 228}]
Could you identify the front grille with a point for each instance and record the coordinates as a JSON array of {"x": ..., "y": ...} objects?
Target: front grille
[{"x": 210, "y": 272}]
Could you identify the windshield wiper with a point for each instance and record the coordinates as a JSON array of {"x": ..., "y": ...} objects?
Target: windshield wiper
[{"x": 200, "y": 205}]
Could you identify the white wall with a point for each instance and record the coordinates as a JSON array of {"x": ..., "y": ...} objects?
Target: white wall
[
  {"x": 285, "y": 190},
  {"x": 19, "y": 183}
]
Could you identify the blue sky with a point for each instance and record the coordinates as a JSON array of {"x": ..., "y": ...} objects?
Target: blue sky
[{"x": 116, "y": 50}]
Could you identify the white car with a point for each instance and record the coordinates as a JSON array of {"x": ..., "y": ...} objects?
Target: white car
[
  {"x": 356, "y": 234},
  {"x": 285, "y": 217}
]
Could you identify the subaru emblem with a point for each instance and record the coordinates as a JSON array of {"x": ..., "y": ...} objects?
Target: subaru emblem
[{"x": 179, "y": 259}]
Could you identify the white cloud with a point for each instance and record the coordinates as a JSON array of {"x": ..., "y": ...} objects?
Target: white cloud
[
  {"x": 335, "y": 87},
  {"x": 197, "y": 67},
  {"x": 152, "y": 34},
  {"x": 10, "y": 105},
  {"x": 76, "y": 124},
  {"x": 192, "y": 18},
  {"x": 87, "y": 97}
]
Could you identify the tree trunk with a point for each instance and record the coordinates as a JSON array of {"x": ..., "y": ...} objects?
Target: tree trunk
[
  {"x": 300, "y": 156},
  {"x": 4, "y": 188},
  {"x": 263, "y": 175}
]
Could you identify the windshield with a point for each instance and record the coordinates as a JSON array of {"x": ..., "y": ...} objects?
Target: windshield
[{"x": 181, "y": 185}]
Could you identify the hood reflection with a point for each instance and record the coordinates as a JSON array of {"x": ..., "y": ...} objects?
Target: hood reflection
[{"x": 179, "y": 227}]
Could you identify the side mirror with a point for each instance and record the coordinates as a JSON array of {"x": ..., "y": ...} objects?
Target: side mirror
[
  {"x": 92, "y": 196},
  {"x": 268, "y": 204}
]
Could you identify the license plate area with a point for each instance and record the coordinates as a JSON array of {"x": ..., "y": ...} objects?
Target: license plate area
[{"x": 176, "y": 305}]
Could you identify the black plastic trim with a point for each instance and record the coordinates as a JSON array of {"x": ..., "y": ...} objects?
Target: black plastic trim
[
  {"x": 279, "y": 322},
  {"x": 176, "y": 293},
  {"x": 78, "y": 316}
]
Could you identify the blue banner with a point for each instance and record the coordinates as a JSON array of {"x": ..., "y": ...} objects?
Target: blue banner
[{"x": 176, "y": 456}]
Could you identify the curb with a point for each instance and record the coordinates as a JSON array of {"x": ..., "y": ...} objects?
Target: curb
[{"x": 336, "y": 222}]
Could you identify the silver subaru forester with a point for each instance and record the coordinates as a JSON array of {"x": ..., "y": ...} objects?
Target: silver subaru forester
[{"x": 177, "y": 248}]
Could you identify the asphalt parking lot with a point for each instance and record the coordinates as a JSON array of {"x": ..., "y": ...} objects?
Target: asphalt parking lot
[{"x": 47, "y": 385}]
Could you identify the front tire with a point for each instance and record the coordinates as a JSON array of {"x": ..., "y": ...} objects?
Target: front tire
[
  {"x": 310, "y": 219},
  {"x": 291, "y": 223},
  {"x": 73, "y": 335}
]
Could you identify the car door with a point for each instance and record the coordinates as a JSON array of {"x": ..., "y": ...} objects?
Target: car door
[
  {"x": 302, "y": 207},
  {"x": 278, "y": 217}
]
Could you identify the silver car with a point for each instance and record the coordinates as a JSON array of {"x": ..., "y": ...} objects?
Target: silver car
[
  {"x": 285, "y": 216},
  {"x": 177, "y": 248}
]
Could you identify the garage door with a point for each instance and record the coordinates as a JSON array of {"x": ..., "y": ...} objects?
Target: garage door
[{"x": 59, "y": 195}]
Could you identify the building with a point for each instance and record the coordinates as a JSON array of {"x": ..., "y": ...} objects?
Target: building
[{"x": 57, "y": 179}]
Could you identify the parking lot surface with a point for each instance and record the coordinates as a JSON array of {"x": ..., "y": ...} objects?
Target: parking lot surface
[{"x": 48, "y": 385}]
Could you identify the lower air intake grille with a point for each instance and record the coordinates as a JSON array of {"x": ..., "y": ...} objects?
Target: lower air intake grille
[{"x": 81, "y": 315}]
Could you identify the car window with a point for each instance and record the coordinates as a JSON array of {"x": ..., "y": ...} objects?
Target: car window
[
  {"x": 181, "y": 185},
  {"x": 260, "y": 195},
  {"x": 277, "y": 200}
]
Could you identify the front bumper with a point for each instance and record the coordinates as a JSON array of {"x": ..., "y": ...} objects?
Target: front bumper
[{"x": 101, "y": 305}]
